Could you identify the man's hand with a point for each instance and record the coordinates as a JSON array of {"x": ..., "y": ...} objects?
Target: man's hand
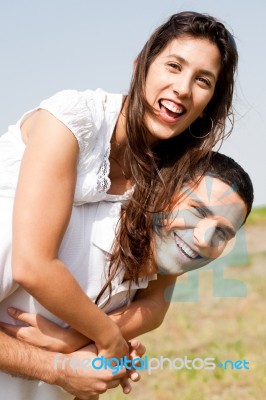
[
  {"x": 76, "y": 375},
  {"x": 93, "y": 381}
]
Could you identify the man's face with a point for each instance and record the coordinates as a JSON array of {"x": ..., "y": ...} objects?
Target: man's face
[{"x": 199, "y": 228}]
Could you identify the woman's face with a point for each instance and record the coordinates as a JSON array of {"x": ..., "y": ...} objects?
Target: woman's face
[
  {"x": 200, "y": 227},
  {"x": 179, "y": 84}
]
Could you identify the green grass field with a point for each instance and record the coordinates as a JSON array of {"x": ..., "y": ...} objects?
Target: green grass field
[
  {"x": 219, "y": 327},
  {"x": 257, "y": 215}
]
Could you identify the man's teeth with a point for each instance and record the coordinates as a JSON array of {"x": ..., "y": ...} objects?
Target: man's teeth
[
  {"x": 187, "y": 250},
  {"x": 172, "y": 106}
]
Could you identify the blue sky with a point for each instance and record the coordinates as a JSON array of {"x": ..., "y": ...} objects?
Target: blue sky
[{"x": 50, "y": 45}]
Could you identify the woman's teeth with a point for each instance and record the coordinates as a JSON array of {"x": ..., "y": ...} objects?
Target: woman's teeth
[
  {"x": 169, "y": 105},
  {"x": 187, "y": 250}
]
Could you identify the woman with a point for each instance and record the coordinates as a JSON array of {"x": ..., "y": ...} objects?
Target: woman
[
  {"x": 91, "y": 146},
  {"x": 196, "y": 232}
]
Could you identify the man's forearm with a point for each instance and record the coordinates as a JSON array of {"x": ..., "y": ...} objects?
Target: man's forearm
[
  {"x": 140, "y": 317},
  {"x": 26, "y": 361},
  {"x": 22, "y": 360},
  {"x": 148, "y": 309}
]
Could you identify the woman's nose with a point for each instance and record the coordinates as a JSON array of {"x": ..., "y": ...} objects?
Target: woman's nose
[{"x": 183, "y": 86}]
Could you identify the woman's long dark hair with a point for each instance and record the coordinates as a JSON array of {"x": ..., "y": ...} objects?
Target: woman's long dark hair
[{"x": 158, "y": 173}]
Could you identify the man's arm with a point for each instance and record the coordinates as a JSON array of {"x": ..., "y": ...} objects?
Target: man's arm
[
  {"x": 23, "y": 360},
  {"x": 148, "y": 309}
]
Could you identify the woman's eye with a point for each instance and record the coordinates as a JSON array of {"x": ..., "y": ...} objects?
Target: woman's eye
[
  {"x": 204, "y": 81},
  {"x": 174, "y": 66}
]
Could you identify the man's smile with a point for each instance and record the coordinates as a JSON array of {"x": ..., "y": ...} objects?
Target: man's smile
[{"x": 186, "y": 249}]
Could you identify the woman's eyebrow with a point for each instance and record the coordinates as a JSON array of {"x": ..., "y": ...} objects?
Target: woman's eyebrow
[{"x": 178, "y": 58}]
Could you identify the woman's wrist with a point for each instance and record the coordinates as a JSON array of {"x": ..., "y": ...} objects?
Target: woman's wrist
[
  {"x": 73, "y": 340},
  {"x": 109, "y": 340}
]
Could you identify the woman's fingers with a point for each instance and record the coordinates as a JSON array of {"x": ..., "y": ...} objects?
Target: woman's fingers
[
  {"x": 124, "y": 382},
  {"x": 137, "y": 348},
  {"x": 22, "y": 316},
  {"x": 12, "y": 330},
  {"x": 17, "y": 330},
  {"x": 94, "y": 397},
  {"x": 136, "y": 351},
  {"x": 35, "y": 330},
  {"x": 133, "y": 375}
]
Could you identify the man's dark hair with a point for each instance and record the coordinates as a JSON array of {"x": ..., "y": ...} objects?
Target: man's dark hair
[{"x": 230, "y": 172}]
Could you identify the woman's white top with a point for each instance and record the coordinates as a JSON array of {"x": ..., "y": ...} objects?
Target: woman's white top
[
  {"x": 85, "y": 249},
  {"x": 91, "y": 116}
]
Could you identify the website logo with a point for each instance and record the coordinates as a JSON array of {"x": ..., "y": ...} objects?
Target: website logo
[{"x": 147, "y": 364}]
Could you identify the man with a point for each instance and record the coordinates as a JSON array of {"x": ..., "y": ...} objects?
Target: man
[{"x": 201, "y": 224}]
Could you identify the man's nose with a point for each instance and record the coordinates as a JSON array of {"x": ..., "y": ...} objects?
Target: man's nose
[
  {"x": 204, "y": 235},
  {"x": 208, "y": 240}
]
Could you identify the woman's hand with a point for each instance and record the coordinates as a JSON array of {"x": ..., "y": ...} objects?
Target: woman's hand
[
  {"x": 115, "y": 346},
  {"x": 136, "y": 349},
  {"x": 41, "y": 332}
]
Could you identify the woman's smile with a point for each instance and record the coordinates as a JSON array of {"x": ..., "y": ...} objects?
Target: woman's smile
[
  {"x": 170, "y": 111},
  {"x": 179, "y": 85}
]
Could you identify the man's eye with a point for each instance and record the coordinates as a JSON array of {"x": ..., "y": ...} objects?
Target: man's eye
[
  {"x": 200, "y": 211},
  {"x": 221, "y": 233}
]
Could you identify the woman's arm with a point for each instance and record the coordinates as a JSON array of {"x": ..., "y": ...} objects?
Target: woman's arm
[
  {"x": 145, "y": 314},
  {"x": 42, "y": 209}
]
